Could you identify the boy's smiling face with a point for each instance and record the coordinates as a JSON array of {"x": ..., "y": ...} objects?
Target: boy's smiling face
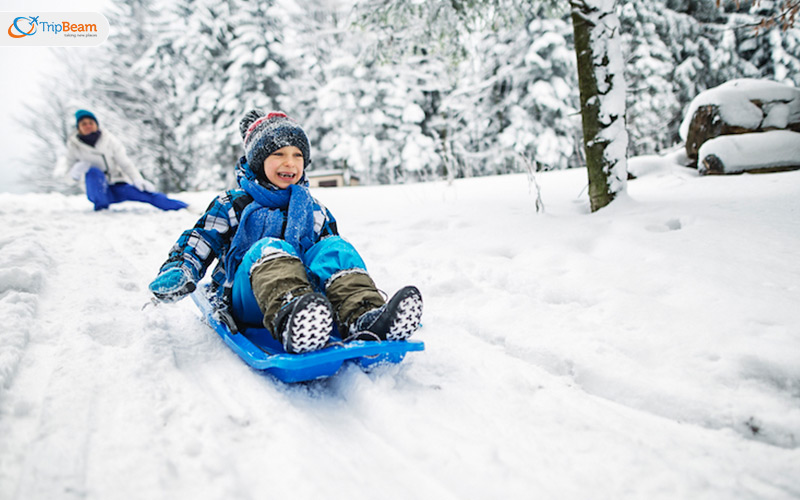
[{"x": 284, "y": 167}]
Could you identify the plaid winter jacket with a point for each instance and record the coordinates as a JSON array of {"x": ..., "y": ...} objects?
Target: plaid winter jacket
[{"x": 211, "y": 236}]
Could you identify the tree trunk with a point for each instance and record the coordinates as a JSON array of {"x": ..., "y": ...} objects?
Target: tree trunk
[{"x": 602, "y": 93}]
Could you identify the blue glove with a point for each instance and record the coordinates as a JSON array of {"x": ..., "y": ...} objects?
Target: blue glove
[{"x": 172, "y": 285}]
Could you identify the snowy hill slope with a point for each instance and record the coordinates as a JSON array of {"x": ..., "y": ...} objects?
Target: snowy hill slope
[{"x": 646, "y": 351}]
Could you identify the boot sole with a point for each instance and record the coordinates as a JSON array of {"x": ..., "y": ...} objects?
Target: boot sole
[
  {"x": 309, "y": 326},
  {"x": 409, "y": 312}
]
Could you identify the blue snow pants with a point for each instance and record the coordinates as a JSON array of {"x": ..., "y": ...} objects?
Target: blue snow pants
[
  {"x": 322, "y": 261},
  {"x": 102, "y": 194}
]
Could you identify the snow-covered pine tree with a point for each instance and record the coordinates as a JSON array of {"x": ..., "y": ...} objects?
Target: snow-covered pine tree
[
  {"x": 516, "y": 96},
  {"x": 653, "y": 105},
  {"x": 252, "y": 72},
  {"x": 200, "y": 43},
  {"x": 361, "y": 111},
  {"x": 416, "y": 51},
  {"x": 137, "y": 81},
  {"x": 208, "y": 63},
  {"x": 512, "y": 90},
  {"x": 325, "y": 95}
]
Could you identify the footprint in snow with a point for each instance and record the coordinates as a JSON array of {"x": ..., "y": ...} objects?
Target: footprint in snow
[{"x": 670, "y": 225}]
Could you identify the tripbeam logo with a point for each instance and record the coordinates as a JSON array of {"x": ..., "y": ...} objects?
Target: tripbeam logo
[
  {"x": 14, "y": 31},
  {"x": 59, "y": 29}
]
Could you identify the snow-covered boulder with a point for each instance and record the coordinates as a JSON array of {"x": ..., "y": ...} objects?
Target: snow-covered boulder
[{"x": 743, "y": 107}]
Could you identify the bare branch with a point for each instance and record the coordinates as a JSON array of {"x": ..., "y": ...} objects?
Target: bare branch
[{"x": 785, "y": 15}]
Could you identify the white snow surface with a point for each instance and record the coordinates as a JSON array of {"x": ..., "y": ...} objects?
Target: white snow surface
[{"x": 649, "y": 350}]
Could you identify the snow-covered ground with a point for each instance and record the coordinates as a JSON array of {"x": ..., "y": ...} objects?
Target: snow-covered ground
[{"x": 650, "y": 350}]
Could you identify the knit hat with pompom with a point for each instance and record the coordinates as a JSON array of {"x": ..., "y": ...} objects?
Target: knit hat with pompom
[{"x": 265, "y": 133}]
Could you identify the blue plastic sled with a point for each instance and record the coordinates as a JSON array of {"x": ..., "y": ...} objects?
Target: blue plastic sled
[{"x": 259, "y": 350}]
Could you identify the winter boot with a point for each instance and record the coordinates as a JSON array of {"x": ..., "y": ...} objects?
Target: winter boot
[
  {"x": 398, "y": 319},
  {"x": 278, "y": 285},
  {"x": 304, "y": 324},
  {"x": 352, "y": 293}
]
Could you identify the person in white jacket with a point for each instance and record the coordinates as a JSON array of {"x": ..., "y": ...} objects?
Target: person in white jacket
[{"x": 99, "y": 159}]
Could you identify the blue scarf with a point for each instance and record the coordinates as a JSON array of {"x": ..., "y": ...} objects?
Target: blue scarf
[{"x": 264, "y": 217}]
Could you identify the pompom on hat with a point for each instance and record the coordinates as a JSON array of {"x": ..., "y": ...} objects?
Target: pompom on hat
[
  {"x": 82, "y": 113},
  {"x": 265, "y": 133}
]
